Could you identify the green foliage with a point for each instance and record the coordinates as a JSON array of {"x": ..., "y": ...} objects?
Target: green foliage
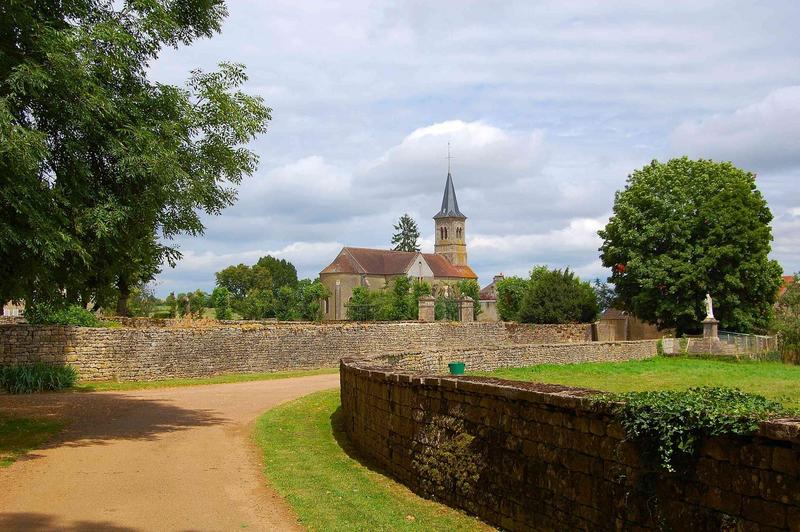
[
  {"x": 360, "y": 306},
  {"x": 100, "y": 167},
  {"x": 509, "y": 297},
  {"x": 670, "y": 423},
  {"x": 38, "y": 377},
  {"x": 221, "y": 300},
  {"x": 193, "y": 304},
  {"x": 407, "y": 234},
  {"x": 396, "y": 301},
  {"x": 787, "y": 321},
  {"x": 605, "y": 294},
  {"x": 471, "y": 288},
  {"x": 556, "y": 296},
  {"x": 286, "y": 304},
  {"x": 142, "y": 301},
  {"x": 258, "y": 305},
  {"x": 49, "y": 314},
  {"x": 172, "y": 305},
  {"x": 446, "y": 307},
  {"x": 684, "y": 228},
  {"x": 282, "y": 272},
  {"x": 240, "y": 279},
  {"x": 308, "y": 299}
]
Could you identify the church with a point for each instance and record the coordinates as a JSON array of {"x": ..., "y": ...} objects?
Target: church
[{"x": 375, "y": 268}]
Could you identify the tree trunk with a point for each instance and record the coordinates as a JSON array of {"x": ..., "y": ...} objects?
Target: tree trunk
[{"x": 124, "y": 295}]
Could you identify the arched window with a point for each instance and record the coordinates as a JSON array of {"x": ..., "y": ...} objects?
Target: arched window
[{"x": 445, "y": 233}]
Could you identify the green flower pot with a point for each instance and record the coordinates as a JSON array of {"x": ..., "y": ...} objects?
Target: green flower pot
[{"x": 456, "y": 368}]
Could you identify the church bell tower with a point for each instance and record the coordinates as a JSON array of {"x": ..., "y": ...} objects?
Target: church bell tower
[{"x": 451, "y": 241}]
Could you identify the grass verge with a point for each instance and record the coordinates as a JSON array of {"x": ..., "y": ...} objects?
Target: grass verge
[
  {"x": 774, "y": 380},
  {"x": 19, "y": 435},
  {"x": 107, "y": 386},
  {"x": 329, "y": 489}
]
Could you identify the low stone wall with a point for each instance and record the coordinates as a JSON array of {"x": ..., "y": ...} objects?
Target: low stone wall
[
  {"x": 176, "y": 349},
  {"x": 489, "y": 358},
  {"x": 526, "y": 456}
]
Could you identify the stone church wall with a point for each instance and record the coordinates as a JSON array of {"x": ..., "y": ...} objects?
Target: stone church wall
[{"x": 141, "y": 351}]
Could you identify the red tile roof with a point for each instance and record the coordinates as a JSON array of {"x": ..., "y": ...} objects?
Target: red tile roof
[
  {"x": 387, "y": 262},
  {"x": 442, "y": 268},
  {"x": 787, "y": 280}
]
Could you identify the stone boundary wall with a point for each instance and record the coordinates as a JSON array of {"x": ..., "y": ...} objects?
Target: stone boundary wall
[
  {"x": 527, "y": 456},
  {"x": 508, "y": 356},
  {"x": 152, "y": 353}
]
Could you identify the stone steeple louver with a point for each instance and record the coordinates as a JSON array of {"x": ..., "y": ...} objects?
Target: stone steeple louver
[{"x": 449, "y": 202}]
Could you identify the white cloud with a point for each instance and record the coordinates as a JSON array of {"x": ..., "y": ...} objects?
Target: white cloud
[
  {"x": 762, "y": 136},
  {"x": 548, "y": 107}
]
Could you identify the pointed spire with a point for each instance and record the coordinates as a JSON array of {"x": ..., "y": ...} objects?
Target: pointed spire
[{"x": 449, "y": 201}]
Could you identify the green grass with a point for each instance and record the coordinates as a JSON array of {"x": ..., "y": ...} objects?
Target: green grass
[
  {"x": 327, "y": 488},
  {"x": 774, "y": 380},
  {"x": 19, "y": 435},
  {"x": 106, "y": 386}
]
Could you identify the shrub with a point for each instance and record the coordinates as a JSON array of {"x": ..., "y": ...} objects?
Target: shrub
[
  {"x": 556, "y": 296},
  {"x": 509, "y": 296},
  {"x": 38, "y": 377},
  {"x": 47, "y": 314},
  {"x": 359, "y": 307},
  {"x": 670, "y": 423},
  {"x": 221, "y": 301}
]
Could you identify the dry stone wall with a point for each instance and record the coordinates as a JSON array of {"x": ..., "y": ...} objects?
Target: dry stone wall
[
  {"x": 142, "y": 351},
  {"x": 526, "y": 456},
  {"x": 489, "y": 358}
]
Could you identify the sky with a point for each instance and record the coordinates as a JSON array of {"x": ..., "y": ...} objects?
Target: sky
[{"x": 548, "y": 107}]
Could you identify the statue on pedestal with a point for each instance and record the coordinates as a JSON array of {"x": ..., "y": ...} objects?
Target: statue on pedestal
[{"x": 709, "y": 307}]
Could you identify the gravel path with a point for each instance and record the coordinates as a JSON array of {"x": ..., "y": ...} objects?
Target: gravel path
[{"x": 163, "y": 459}]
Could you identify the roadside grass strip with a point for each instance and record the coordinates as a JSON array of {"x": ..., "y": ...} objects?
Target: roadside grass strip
[
  {"x": 18, "y": 435},
  {"x": 307, "y": 459},
  {"x": 116, "y": 386},
  {"x": 773, "y": 380}
]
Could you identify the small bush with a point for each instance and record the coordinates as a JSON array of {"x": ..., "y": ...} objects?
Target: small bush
[
  {"x": 669, "y": 423},
  {"x": 38, "y": 377},
  {"x": 46, "y": 314}
]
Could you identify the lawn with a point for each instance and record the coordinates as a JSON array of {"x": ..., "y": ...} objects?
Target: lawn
[
  {"x": 106, "y": 386},
  {"x": 771, "y": 379},
  {"x": 19, "y": 435},
  {"x": 327, "y": 488}
]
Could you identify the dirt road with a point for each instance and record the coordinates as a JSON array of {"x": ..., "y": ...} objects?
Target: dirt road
[{"x": 165, "y": 459}]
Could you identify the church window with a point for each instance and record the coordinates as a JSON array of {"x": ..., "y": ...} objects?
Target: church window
[{"x": 445, "y": 233}]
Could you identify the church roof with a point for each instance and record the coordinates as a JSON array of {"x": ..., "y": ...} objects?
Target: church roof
[
  {"x": 386, "y": 262},
  {"x": 449, "y": 201},
  {"x": 442, "y": 268}
]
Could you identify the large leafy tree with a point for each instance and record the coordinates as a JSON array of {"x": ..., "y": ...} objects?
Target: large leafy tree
[
  {"x": 406, "y": 235},
  {"x": 687, "y": 227},
  {"x": 100, "y": 167},
  {"x": 282, "y": 271}
]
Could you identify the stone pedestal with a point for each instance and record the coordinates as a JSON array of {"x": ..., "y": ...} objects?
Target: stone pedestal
[
  {"x": 711, "y": 329},
  {"x": 427, "y": 308},
  {"x": 467, "y": 309}
]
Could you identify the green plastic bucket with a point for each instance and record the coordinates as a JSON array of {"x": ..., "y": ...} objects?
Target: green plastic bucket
[{"x": 456, "y": 368}]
